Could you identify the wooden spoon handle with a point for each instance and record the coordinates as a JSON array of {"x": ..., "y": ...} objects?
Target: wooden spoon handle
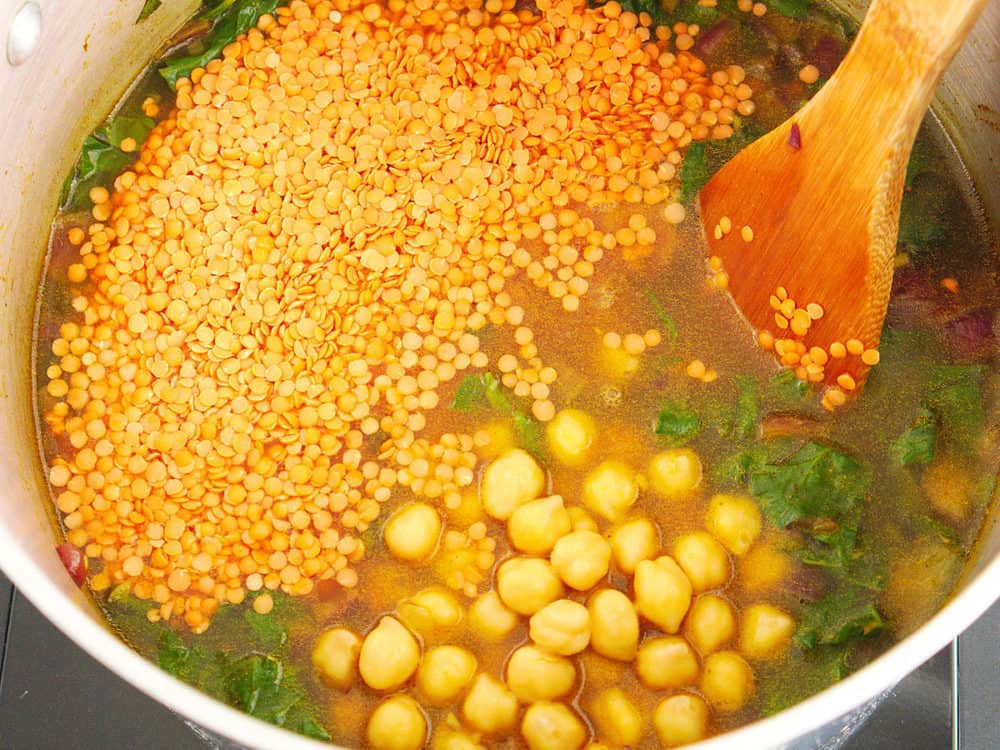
[{"x": 903, "y": 49}]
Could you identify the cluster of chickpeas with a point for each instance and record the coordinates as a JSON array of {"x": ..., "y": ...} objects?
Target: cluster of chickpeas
[{"x": 671, "y": 622}]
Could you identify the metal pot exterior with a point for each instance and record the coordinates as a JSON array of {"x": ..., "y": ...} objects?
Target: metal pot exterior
[{"x": 86, "y": 55}]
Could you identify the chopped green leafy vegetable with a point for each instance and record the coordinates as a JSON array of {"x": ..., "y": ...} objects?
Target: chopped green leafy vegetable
[
  {"x": 917, "y": 444},
  {"x": 677, "y": 423},
  {"x": 747, "y": 410},
  {"x": 736, "y": 469},
  {"x": 925, "y": 218},
  {"x": 231, "y": 19},
  {"x": 471, "y": 393},
  {"x": 836, "y": 546},
  {"x": 837, "y": 618},
  {"x": 694, "y": 172},
  {"x": 101, "y": 158},
  {"x": 705, "y": 158},
  {"x": 253, "y": 676},
  {"x": 148, "y": 8},
  {"x": 787, "y": 387},
  {"x": 814, "y": 670},
  {"x": 486, "y": 391},
  {"x": 791, "y": 8},
  {"x": 921, "y": 157},
  {"x": 959, "y": 407},
  {"x": 666, "y": 320},
  {"x": 816, "y": 481},
  {"x": 120, "y": 127}
]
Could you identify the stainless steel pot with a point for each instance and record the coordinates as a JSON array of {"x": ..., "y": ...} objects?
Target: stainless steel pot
[{"x": 66, "y": 63}]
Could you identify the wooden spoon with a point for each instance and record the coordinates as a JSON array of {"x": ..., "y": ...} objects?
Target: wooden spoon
[{"x": 821, "y": 193}]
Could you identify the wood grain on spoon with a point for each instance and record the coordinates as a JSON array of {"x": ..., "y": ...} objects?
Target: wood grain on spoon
[{"x": 821, "y": 193}]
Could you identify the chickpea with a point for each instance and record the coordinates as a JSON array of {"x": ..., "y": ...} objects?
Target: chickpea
[
  {"x": 662, "y": 592},
  {"x": 535, "y": 675},
  {"x": 610, "y": 490},
  {"x": 666, "y": 662},
  {"x": 501, "y": 439},
  {"x": 616, "y": 718},
  {"x": 535, "y": 527},
  {"x": 581, "y": 558},
  {"x": 570, "y": 435},
  {"x": 431, "y": 613},
  {"x": 675, "y": 472},
  {"x": 735, "y": 521},
  {"x": 444, "y": 672},
  {"x": 763, "y": 569},
  {"x": 618, "y": 363},
  {"x": 389, "y": 655},
  {"x": 397, "y": 724},
  {"x": 412, "y": 533},
  {"x": 710, "y": 623},
  {"x": 489, "y": 706},
  {"x": 765, "y": 631},
  {"x": 526, "y": 584},
  {"x": 727, "y": 682},
  {"x": 510, "y": 481},
  {"x": 449, "y": 735},
  {"x": 581, "y": 519},
  {"x": 704, "y": 560},
  {"x": 490, "y": 619},
  {"x": 335, "y": 657},
  {"x": 468, "y": 511},
  {"x": 562, "y": 627},
  {"x": 552, "y": 726},
  {"x": 614, "y": 625},
  {"x": 680, "y": 720},
  {"x": 634, "y": 541}
]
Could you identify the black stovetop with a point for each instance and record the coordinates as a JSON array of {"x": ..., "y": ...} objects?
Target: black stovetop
[{"x": 52, "y": 695}]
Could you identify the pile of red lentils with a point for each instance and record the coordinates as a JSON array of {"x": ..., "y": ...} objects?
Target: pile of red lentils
[{"x": 295, "y": 270}]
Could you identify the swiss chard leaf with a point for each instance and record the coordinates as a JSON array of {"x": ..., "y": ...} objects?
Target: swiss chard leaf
[
  {"x": 148, "y": 8},
  {"x": 666, "y": 320},
  {"x": 839, "y": 617},
  {"x": 917, "y": 444},
  {"x": 120, "y": 127},
  {"x": 959, "y": 407},
  {"x": 816, "y": 481},
  {"x": 270, "y": 634},
  {"x": 257, "y": 688},
  {"x": 736, "y": 469},
  {"x": 791, "y": 8},
  {"x": 677, "y": 424},
  {"x": 747, "y": 410},
  {"x": 101, "y": 158},
  {"x": 704, "y": 159},
  {"x": 231, "y": 20},
  {"x": 814, "y": 670},
  {"x": 485, "y": 391},
  {"x": 310, "y": 728},
  {"x": 470, "y": 394},
  {"x": 528, "y": 432},
  {"x": 786, "y": 387},
  {"x": 837, "y": 547},
  {"x": 694, "y": 172}
]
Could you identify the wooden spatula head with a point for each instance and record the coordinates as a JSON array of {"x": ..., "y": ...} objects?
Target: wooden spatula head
[{"x": 804, "y": 221}]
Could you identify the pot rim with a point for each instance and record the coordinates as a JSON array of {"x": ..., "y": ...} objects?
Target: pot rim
[{"x": 106, "y": 647}]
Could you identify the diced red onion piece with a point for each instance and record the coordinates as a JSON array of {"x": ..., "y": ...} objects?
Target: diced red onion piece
[
  {"x": 74, "y": 562},
  {"x": 795, "y": 137}
]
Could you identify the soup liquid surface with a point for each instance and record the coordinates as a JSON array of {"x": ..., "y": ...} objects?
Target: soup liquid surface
[{"x": 661, "y": 364}]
